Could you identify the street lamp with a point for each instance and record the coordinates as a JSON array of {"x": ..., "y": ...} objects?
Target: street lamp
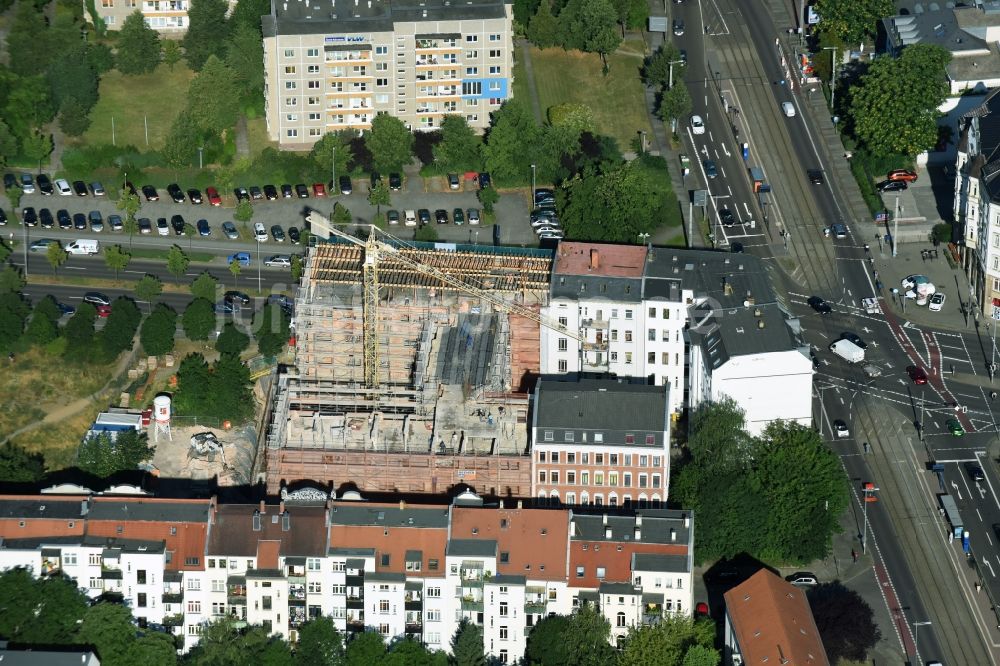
[
  {"x": 200, "y": 163},
  {"x": 259, "y": 289},
  {"x": 833, "y": 70},
  {"x": 916, "y": 629},
  {"x": 24, "y": 228},
  {"x": 868, "y": 489},
  {"x": 333, "y": 168},
  {"x": 532, "y": 185},
  {"x": 643, "y": 237},
  {"x": 642, "y": 140}
]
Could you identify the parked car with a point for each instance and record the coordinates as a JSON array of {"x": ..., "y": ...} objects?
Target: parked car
[
  {"x": 484, "y": 180},
  {"x": 229, "y": 231},
  {"x": 45, "y": 218},
  {"x": 277, "y": 234},
  {"x": 936, "y": 302},
  {"x": 42, "y": 244},
  {"x": 150, "y": 193},
  {"x": 103, "y": 311},
  {"x": 259, "y": 232},
  {"x": 174, "y": 190},
  {"x": 194, "y": 195},
  {"x": 802, "y": 578},
  {"x": 242, "y": 258},
  {"x": 892, "y": 186},
  {"x": 278, "y": 261},
  {"x": 256, "y": 194},
  {"x": 44, "y": 184},
  {"x": 63, "y": 219},
  {"x": 917, "y": 374},
  {"x": 424, "y": 216},
  {"x": 177, "y": 222},
  {"x": 473, "y": 215},
  {"x": 162, "y": 228},
  {"x": 441, "y": 216},
  {"x": 97, "y": 189},
  {"x": 453, "y": 182},
  {"x": 543, "y": 194},
  {"x": 237, "y": 297},
  {"x": 392, "y": 216},
  {"x": 213, "y": 196},
  {"x": 395, "y": 182},
  {"x": 294, "y": 236},
  {"x": 27, "y": 183},
  {"x": 203, "y": 228},
  {"x": 65, "y": 310},
  {"x": 96, "y": 298},
  {"x": 145, "y": 225},
  {"x": 902, "y": 174},
  {"x": 270, "y": 192},
  {"x": 302, "y": 191},
  {"x": 410, "y": 218},
  {"x": 29, "y": 216},
  {"x": 224, "y": 307},
  {"x": 79, "y": 221},
  {"x": 458, "y": 215},
  {"x": 286, "y": 191},
  {"x": 62, "y": 186},
  {"x": 346, "y": 187},
  {"x": 241, "y": 194},
  {"x": 678, "y": 27},
  {"x": 115, "y": 222}
]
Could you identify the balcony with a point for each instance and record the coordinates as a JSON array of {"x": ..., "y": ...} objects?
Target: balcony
[
  {"x": 594, "y": 345},
  {"x": 595, "y": 323},
  {"x": 414, "y": 629},
  {"x": 175, "y": 620},
  {"x": 172, "y": 598},
  {"x": 472, "y": 604},
  {"x": 534, "y": 606},
  {"x": 297, "y": 591}
]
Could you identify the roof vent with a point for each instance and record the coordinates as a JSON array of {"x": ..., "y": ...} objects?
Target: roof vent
[
  {"x": 286, "y": 522},
  {"x": 256, "y": 521},
  {"x": 607, "y": 532},
  {"x": 424, "y": 13},
  {"x": 760, "y": 323},
  {"x": 638, "y": 533},
  {"x": 673, "y": 534},
  {"x": 756, "y": 312},
  {"x": 739, "y": 329}
]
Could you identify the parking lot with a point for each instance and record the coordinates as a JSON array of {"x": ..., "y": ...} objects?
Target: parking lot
[{"x": 511, "y": 214}]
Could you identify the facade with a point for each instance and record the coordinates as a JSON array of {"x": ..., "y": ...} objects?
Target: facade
[
  {"x": 399, "y": 569},
  {"x": 769, "y": 620},
  {"x": 977, "y": 202},
  {"x": 335, "y": 66},
  {"x": 601, "y": 442},
  {"x": 633, "y": 308},
  {"x": 165, "y": 16}
]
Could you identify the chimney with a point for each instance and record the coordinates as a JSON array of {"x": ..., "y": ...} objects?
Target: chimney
[
  {"x": 687, "y": 520},
  {"x": 638, "y": 533},
  {"x": 281, "y": 507},
  {"x": 595, "y": 259},
  {"x": 607, "y": 532},
  {"x": 402, "y": 505},
  {"x": 520, "y": 504},
  {"x": 262, "y": 509},
  {"x": 673, "y": 534},
  {"x": 286, "y": 521},
  {"x": 256, "y": 521}
]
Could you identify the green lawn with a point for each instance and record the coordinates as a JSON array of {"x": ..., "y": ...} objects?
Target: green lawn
[
  {"x": 156, "y": 97},
  {"x": 617, "y": 100}
]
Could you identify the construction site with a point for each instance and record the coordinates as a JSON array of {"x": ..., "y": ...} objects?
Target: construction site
[{"x": 413, "y": 363}]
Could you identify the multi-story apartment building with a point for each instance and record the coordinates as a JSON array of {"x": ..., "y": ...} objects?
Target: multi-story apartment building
[
  {"x": 402, "y": 570},
  {"x": 601, "y": 442},
  {"x": 165, "y": 16},
  {"x": 334, "y": 66},
  {"x": 977, "y": 202},
  {"x": 631, "y": 309}
]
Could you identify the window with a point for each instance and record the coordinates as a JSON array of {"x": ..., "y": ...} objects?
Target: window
[
  {"x": 628, "y": 336},
  {"x": 627, "y": 479},
  {"x": 292, "y": 133},
  {"x": 108, "y": 4},
  {"x": 69, "y": 559},
  {"x": 494, "y": 85},
  {"x": 494, "y": 69},
  {"x": 314, "y": 116},
  {"x": 193, "y": 584},
  {"x": 504, "y": 657},
  {"x": 568, "y": 436},
  {"x": 598, "y": 478},
  {"x": 413, "y": 566},
  {"x": 291, "y": 85},
  {"x": 642, "y": 459},
  {"x": 141, "y": 600},
  {"x": 289, "y": 69},
  {"x": 433, "y": 616},
  {"x": 385, "y": 559},
  {"x": 503, "y": 609},
  {"x": 584, "y": 478},
  {"x": 570, "y": 498},
  {"x": 140, "y": 577},
  {"x": 504, "y": 557},
  {"x": 555, "y": 457},
  {"x": 471, "y": 39},
  {"x": 548, "y": 438},
  {"x": 542, "y": 476},
  {"x": 434, "y": 592},
  {"x": 541, "y": 454},
  {"x": 503, "y": 633},
  {"x": 656, "y": 480},
  {"x": 620, "y": 619},
  {"x": 192, "y": 561},
  {"x": 563, "y": 345},
  {"x": 194, "y": 607},
  {"x": 665, "y": 358},
  {"x": 580, "y": 572},
  {"x": 628, "y": 314},
  {"x": 471, "y": 87},
  {"x": 289, "y": 53},
  {"x": 383, "y": 606},
  {"x": 563, "y": 365},
  {"x": 383, "y": 629},
  {"x": 313, "y": 85},
  {"x": 570, "y": 478},
  {"x": 612, "y": 478},
  {"x": 291, "y": 101},
  {"x": 381, "y": 83},
  {"x": 291, "y": 117},
  {"x": 601, "y": 572},
  {"x": 495, "y": 37},
  {"x": 381, "y": 50},
  {"x": 642, "y": 480},
  {"x": 554, "y": 477},
  {"x": 312, "y": 53},
  {"x": 628, "y": 358},
  {"x": 571, "y": 458}
]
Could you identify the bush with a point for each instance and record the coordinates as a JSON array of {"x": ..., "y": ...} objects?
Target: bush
[{"x": 941, "y": 233}]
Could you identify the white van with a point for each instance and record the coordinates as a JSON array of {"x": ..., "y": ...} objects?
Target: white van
[
  {"x": 259, "y": 232},
  {"x": 789, "y": 109},
  {"x": 83, "y": 246}
]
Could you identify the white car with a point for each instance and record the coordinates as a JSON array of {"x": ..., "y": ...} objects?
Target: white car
[
  {"x": 409, "y": 218},
  {"x": 936, "y": 302},
  {"x": 840, "y": 430},
  {"x": 278, "y": 261},
  {"x": 545, "y": 222},
  {"x": 788, "y": 109},
  {"x": 63, "y": 186},
  {"x": 552, "y": 235},
  {"x": 697, "y": 125},
  {"x": 259, "y": 232}
]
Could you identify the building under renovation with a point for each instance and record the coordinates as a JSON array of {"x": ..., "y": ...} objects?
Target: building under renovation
[{"x": 412, "y": 366}]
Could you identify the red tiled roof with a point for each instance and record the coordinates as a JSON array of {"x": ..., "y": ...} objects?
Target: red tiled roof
[
  {"x": 574, "y": 258},
  {"x": 267, "y": 554},
  {"x": 535, "y": 539},
  {"x": 773, "y": 622},
  {"x": 394, "y": 541},
  {"x": 233, "y": 534},
  {"x": 614, "y": 557}
]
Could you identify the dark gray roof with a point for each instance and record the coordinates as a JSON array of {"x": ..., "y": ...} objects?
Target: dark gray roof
[
  {"x": 472, "y": 548},
  {"x": 618, "y": 588},
  {"x": 265, "y": 573},
  {"x": 617, "y": 289},
  {"x": 345, "y": 17},
  {"x": 384, "y": 577},
  {"x": 507, "y": 579},
  {"x": 158, "y": 511},
  {"x": 414, "y": 556},
  {"x": 724, "y": 333},
  {"x": 940, "y": 27},
  {"x": 729, "y": 279},
  {"x": 45, "y": 507},
  {"x": 602, "y": 404},
  {"x": 34, "y": 657},
  {"x": 985, "y": 164},
  {"x": 352, "y": 513},
  {"x": 112, "y": 543},
  {"x": 655, "y": 528},
  {"x": 657, "y": 562}
]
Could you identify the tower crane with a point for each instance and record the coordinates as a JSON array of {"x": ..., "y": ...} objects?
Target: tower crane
[{"x": 374, "y": 249}]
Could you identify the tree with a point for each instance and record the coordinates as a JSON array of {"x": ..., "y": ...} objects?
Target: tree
[
  {"x": 18, "y": 465},
  {"x": 614, "y": 206},
  {"x": 467, "y": 645},
  {"x": 8, "y": 144},
  {"x": 11, "y": 280},
  {"x": 36, "y": 146},
  {"x": 296, "y": 268},
  {"x": 74, "y": 118},
  {"x": 171, "y": 53},
  {"x": 488, "y": 197},
  {"x": 675, "y": 103},
  {"x": 232, "y": 340},
  {"x": 79, "y": 331},
  {"x": 543, "y": 29},
  {"x": 29, "y": 106},
  {"x": 512, "y": 143},
  {"x": 657, "y": 67},
  {"x": 213, "y": 98},
  {"x": 198, "y": 319},
  {"x": 365, "y": 649},
  {"x": 130, "y": 204},
  {"x": 390, "y": 143},
  {"x": 333, "y": 146},
  {"x": 119, "y": 330},
  {"x": 631, "y": 13},
  {"x": 108, "y": 627},
  {"x": 116, "y": 258},
  {"x": 426, "y": 233},
  {"x": 158, "y": 331},
  {"x": 852, "y": 21},
  {"x": 177, "y": 261},
  {"x": 235, "y": 269},
  {"x": 42, "y": 329},
  {"x": 460, "y": 147},
  {"x": 845, "y": 622},
  {"x": 580, "y": 639},
  {"x": 271, "y": 328},
  {"x": 668, "y": 642},
  {"x": 589, "y": 25},
  {"x": 207, "y": 32},
  {"x": 320, "y": 644},
  {"x": 139, "y": 49},
  {"x": 56, "y": 256},
  {"x": 243, "y": 212},
  {"x": 895, "y": 107},
  {"x": 379, "y": 195},
  {"x": 231, "y": 396},
  {"x": 183, "y": 139},
  {"x": 152, "y": 649},
  {"x": 244, "y": 54},
  {"x": 147, "y": 288},
  {"x": 39, "y": 610},
  {"x": 205, "y": 286},
  {"x": 341, "y": 215}
]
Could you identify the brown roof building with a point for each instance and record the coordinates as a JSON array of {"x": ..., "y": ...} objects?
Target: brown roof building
[{"x": 769, "y": 621}]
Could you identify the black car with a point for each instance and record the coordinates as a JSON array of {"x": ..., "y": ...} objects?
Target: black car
[
  {"x": 237, "y": 297},
  {"x": 270, "y": 192},
  {"x": 819, "y": 305},
  {"x": 736, "y": 247},
  {"x": 29, "y": 216},
  {"x": 80, "y": 188},
  {"x": 441, "y": 216},
  {"x": 45, "y": 218},
  {"x": 283, "y": 302},
  {"x": 395, "y": 182},
  {"x": 150, "y": 193},
  {"x": 892, "y": 186},
  {"x": 726, "y": 217},
  {"x": 855, "y": 338},
  {"x": 302, "y": 191},
  {"x": 194, "y": 195},
  {"x": 286, "y": 191},
  {"x": 543, "y": 194},
  {"x": 241, "y": 194},
  {"x": 9, "y": 181},
  {"x": 79, "y": 221},
  {"x": 256, "y": 194},
  {"x": 484, "y": 180},
  {"x": 278, "y": 234},
  {"x": 346, "y": 187},
  {"x": 815, "y": 176},
  {"x": 3, "y": 218},
  {"x": 44, "y": 184},
  {"x": 175, "y": 192},
  {"x": 203, "y": 228},
  {"x": 975, "y": 472},
  {"x": 63, "y": 219},
  {"x": 424, "y": 216},
  {"x": 224, "y": 307},
  {"x": 293, "y": 235},
  {"x": 145, "y": 226},
  {"x": 374, "y": 179},
  {"x": 177, "y": 222}
]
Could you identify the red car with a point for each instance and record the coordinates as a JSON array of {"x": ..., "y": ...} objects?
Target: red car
[
  {"x": 103, "y": 311},
  {"x": 904, "y": 175},
  {"x": 213, "y": 196},
  {"x": 319, "y": 190},
  {"x": 917, "y": 374}
]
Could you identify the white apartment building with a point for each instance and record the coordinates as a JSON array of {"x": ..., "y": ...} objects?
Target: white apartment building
[
  {"x": 334, "y": 65},
  {"x": 165, "y": 16},
  {"x": 977, "y": 201},
  {"x": 630, "y": 306}
]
